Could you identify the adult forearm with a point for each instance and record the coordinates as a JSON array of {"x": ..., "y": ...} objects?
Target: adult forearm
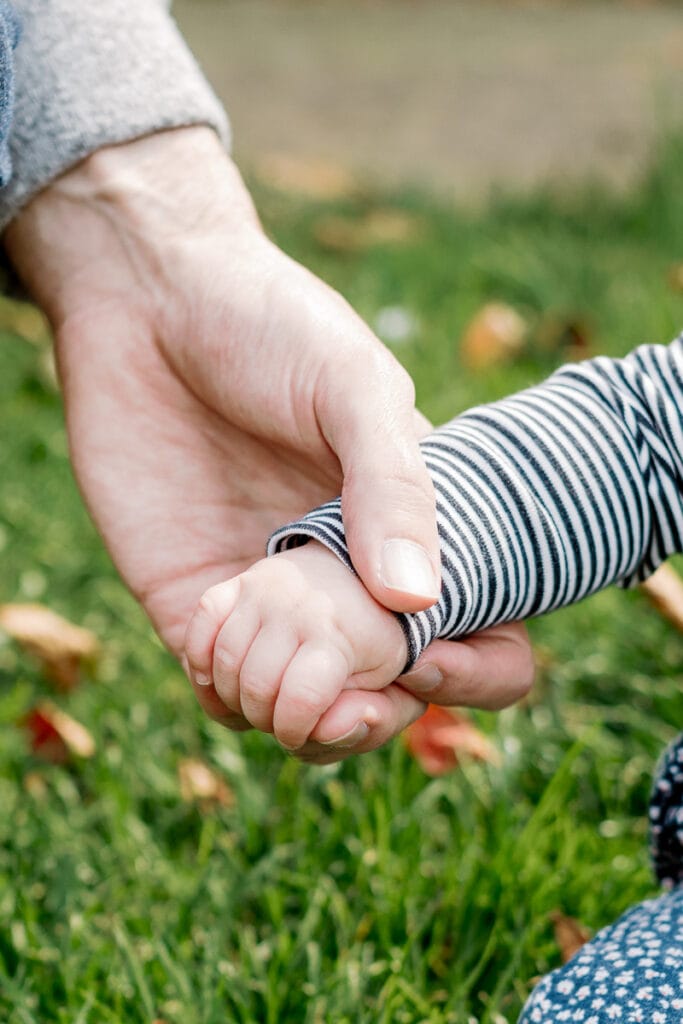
[{"x": 95, "y": 74}]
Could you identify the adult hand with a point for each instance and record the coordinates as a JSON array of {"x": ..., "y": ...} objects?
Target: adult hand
[{"x": 214, "y": 389}]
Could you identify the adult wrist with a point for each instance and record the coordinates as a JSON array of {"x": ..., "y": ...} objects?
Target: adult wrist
[
  {"x": 176, "y": 181},
  {"x": 114, "y": 220}
]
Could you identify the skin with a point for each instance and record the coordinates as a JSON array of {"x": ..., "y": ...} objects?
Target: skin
[
  {"x": 214, "y": 389},
  {"x": 280, "y": 642}
]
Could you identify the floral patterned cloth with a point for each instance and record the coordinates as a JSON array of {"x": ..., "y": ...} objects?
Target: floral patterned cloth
[{"x": 632, "y": 971}]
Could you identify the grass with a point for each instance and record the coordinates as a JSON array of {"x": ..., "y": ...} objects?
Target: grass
[{"x": 366, "y": 892}]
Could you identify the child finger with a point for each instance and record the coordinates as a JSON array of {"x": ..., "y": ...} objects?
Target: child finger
[
  {"x": 385, "y": 714},
  {"x": 261, "y": 674},
  {"x": 230, "y": 649},
  {"x": 213, "y": 609},
  {"x": 310, "y": 685}
]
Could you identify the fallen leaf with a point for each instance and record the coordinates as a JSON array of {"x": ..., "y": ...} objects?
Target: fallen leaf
[
  {"x": 201, "y": 784},
  {"x": 676, "y": 277},
  {"x": 494, "y": 336},
  {"x": 56, "y": 736},
  {"x": 35, "y": 785},
  {"x": 665, "y": 590},
  {"x": 442, "y": 736},
  {"x": 62, "y": 647},
  {"x": 315, "y": 178},
  {"x": 378, "y": 227},
  {"x": 569, "y": 337},
  {"x": 570, "y": 934}
]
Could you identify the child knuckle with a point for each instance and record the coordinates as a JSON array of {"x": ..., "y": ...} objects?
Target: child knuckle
[
  {"x": 307, "y": 700},
  {"x": 225, "y": 663}
]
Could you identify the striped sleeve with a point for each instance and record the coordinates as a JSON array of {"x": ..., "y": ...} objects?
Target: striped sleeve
[{"x": 548, "y": 495}]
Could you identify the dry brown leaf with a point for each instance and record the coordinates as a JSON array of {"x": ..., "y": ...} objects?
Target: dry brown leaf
[
  {"x": 315, "y": 178},
  {"x": 570, "y": 934},
  {"x": 378, "y": 227},
  {"x": 62, "y": 647},
  {"x": 665, "y": 590},
  {"x": 201, "y": 784},
  {"x": 57, "y": 736},
  {"x": 442, "y": 736},
  {"x": 569, "y": 337},
  {"x": 676, "y": 277},
  {"x": 494, "y": 336}
]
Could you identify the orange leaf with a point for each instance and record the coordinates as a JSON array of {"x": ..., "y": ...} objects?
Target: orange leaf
[
  {"x": 665, "y": 590},
  {"x": 316, "y": 178},
  {"x": 199, "y": 783},
  {"x": 62, "y": 647},
  {"x": 495, "y": 335},
  {"x": 56, "y": 736},
  {"x": 570, "y": 934},
  {"x": 378, "y": 227},
  {"x": 441, "y": 737}
]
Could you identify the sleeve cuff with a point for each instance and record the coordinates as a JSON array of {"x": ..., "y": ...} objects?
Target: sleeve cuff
[
  {"x": 325, "y": 525},
  {"x": 90, "y": 75}
]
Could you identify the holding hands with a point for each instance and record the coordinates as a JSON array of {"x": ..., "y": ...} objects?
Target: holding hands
[
  {"x": 283, "y": 640},
  {"x": 214, "y": 390}
]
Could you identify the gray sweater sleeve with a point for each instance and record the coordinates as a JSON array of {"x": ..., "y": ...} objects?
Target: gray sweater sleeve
[{"x": 95, "y": 72}]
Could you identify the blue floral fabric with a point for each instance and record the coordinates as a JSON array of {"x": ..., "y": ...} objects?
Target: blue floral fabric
[
  {"x": 632, "y": 971},
  {"x": 9, "y": 37},
  {"x": 666, "y": 817}
]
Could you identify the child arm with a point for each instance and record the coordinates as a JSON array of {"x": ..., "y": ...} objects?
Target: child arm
[{"x": 548, "y": 495}]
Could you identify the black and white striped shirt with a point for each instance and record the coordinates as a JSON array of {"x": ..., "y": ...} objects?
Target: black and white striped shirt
[{"x": 548, "y": 495}]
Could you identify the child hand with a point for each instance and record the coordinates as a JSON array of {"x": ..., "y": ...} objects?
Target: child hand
[{"x": 281, "y": 641}]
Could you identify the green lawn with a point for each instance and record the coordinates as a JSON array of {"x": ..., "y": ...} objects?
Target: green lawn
[{"x": 364, "y": 892}]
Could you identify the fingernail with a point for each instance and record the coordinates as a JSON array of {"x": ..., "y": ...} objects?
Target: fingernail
[
  {"x": 423, "y": 679},
  {"x": 350, "y": 738},
  {"x": 201, "y": 680},
  {"x": 406, "y": 566}
]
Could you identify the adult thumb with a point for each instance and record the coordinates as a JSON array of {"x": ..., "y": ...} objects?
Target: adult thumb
[{"x": 388, "y": 501}]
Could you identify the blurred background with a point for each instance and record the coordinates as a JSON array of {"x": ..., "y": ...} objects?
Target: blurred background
[
  {"x": 458, "y": 94},
  {"x": 496, "y": 188}
]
